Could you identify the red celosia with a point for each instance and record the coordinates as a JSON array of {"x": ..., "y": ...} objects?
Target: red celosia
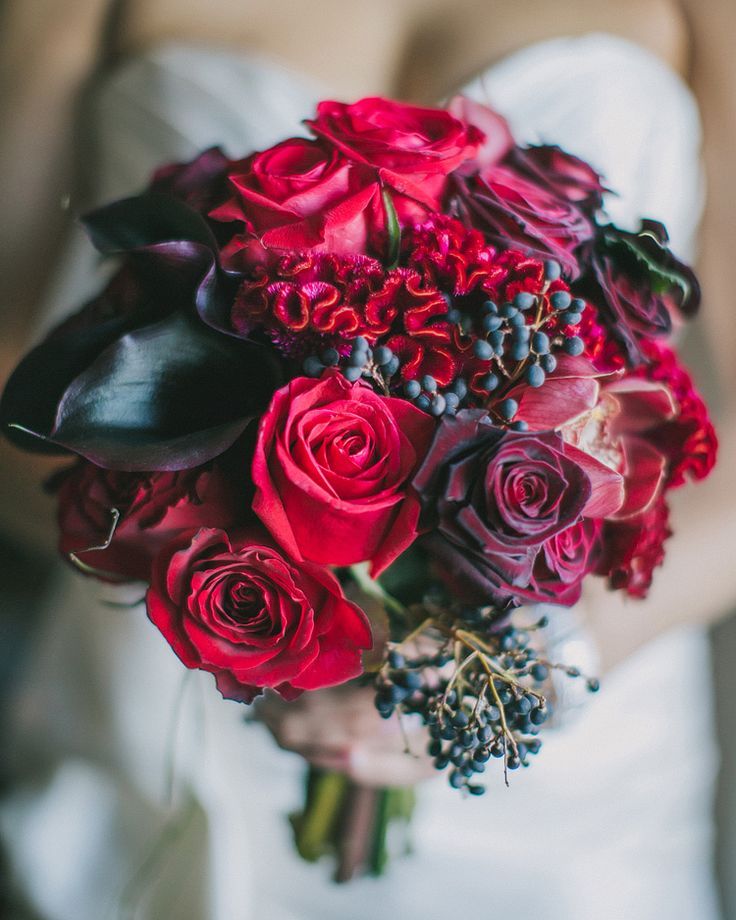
[{"x": 633, "y": 549}]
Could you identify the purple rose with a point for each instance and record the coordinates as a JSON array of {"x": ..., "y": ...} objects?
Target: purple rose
[
  {"x": 566, "y": 175},
  {"x": 516, "y": 208},
  {"x": 491, "y": 498}
]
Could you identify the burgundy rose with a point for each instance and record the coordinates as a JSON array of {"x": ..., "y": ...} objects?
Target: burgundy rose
[
  {"x": 562, "y": 563},
  {"x": 332, "y": 469},
  {"x": 142, "y": 511},
  {"x": 239, "y": 608},
  {"x": 517, "y": 211},
  {"x": 567, "y": 176},
  {"x": 492, "y": 498},
  {"x": 299, "y": 195}
]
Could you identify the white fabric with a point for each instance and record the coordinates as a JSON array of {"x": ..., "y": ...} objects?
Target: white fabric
[{"x": 612, "y": 822}]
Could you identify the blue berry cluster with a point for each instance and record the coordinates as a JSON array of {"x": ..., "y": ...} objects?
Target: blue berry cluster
[
  {"x": 473, "y": 718},
  {"x": 517, "y": 337},
  {"x": 362, "y": 361},
  {"x": 424, "y": 393}
]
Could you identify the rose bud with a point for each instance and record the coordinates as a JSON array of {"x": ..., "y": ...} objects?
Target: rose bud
[
  {"x": 236, "y": 606},
  {"x": 332, "y": 468}
]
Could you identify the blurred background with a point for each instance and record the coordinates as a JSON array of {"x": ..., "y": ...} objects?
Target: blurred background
[{"x": 53, "y": 55}]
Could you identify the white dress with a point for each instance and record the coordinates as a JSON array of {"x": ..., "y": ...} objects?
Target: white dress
[{"x": 613, "y": 820}]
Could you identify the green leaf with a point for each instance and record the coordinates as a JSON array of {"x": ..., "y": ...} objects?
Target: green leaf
[{"x": 663, "y": 278}]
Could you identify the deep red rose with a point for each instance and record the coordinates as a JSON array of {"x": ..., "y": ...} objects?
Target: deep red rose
[
  {"x": 299, "y": 195},
  {"x": 639, "y": 285},
  {"x": 152, "y": 508},
  {"x": 239, "y": 608},
  {"x": 632, "y": 308},
  {"x": 332, "y": 468},
  {"x": 492, "y": 498},
  {"x": 413, "y": 148},
  {"x": 514, "y": 210}
]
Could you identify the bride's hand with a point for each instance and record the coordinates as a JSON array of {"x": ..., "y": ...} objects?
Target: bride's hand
[{"x": 340, "y": 729}]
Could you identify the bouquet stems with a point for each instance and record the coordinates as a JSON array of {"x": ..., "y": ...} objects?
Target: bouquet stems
[{"x": 359, "y": 826}]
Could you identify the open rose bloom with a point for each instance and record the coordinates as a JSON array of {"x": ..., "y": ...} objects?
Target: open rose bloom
[{"x": 399, "y": 377}]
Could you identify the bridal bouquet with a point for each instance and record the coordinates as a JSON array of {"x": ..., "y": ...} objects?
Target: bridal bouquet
[{"x": 348, "y": 402}]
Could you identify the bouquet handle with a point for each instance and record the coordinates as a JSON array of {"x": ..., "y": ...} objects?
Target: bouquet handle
[{"x": 360, "y": 827}]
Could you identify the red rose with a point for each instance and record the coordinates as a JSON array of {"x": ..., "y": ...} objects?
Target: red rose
[
  {"x": 300, "y": 195},
  {"x": 150, "y": 509},
  {"x": 237, "y": 607},
  {"x": 413, "y": 148},
  {"x": 332, "y": 468}
]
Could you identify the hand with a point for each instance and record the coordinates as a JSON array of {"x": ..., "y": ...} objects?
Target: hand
[{"x": 340, "y": 729}]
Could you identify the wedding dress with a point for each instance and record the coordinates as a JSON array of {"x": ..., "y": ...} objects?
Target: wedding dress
[{"x": 612, "y": 822}]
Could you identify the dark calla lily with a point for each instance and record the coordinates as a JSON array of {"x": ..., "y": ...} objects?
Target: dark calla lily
[{"x": 165, "y": 396}]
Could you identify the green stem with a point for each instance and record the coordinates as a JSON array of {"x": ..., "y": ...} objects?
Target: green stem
[
  {"x": 370, "y": 586},
  {"x": 393, "y": 228},
  {"x": 313, "y": 827}
]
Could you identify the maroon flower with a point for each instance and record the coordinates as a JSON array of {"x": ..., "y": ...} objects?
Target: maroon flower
[
  {"x": 332, "y": 469},
  {"x": 492, "y": 498},
  {"x": 638, "y": 285},
  {"x": 239, "y": 608},
  {"x": 632, "y": 549},
  {"x": 143, "y": 511},
  {"x": 201, "y": 183},
  {"x": 567, "y": 176},
  {"x": 514, "y": 210}
]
